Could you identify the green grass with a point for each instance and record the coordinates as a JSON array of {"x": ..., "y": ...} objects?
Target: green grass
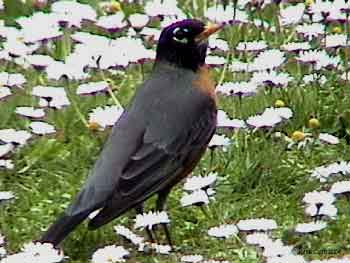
[{"x": 258, "y": 175}]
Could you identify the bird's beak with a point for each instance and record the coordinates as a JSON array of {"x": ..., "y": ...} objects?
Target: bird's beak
[{"x": 208, "y": 31}]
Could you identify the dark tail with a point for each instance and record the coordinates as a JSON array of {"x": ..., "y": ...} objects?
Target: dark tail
[{"x": 62, "y": 227}]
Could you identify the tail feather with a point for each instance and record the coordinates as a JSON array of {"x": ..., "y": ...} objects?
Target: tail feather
[{"x": 62, "y": 227}]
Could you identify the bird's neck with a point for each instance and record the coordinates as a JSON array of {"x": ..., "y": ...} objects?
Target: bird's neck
[{"x": 165, "y": 66}]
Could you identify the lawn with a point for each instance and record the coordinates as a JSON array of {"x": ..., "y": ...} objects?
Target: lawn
[{"x": 284, "y": 129}]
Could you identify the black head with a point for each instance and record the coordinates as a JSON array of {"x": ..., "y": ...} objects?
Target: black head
[{"x": 184, "y": 43}]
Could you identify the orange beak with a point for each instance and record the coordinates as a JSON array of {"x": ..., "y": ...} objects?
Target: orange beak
[{"x": 208, "y": 31}]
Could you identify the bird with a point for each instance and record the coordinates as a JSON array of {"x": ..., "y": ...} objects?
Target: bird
[{"x": 159, "y": 138}]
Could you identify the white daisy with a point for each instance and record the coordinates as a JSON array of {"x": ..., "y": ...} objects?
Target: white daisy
[
  {"x": 192, "y": 258},
  {"x": 153, "y": 33},
  {"x": 341, "y": 187},
  {"x": 296, "y": 46},
  {"x": 164, "y": 8},
  {"x": 258, "y": 238},
  {"x": 112, "y": 22},
  {"x": 223, "y": 231},
  {"x": 241, "y": 89},
  {"x": 264, "y": 120},
  {"x": 11, "y": 79},
  {"x": 150, "y": 219},
  {"x": 276, "y": 249},
  {"x": 292, "y": 14},
  {"x": 128, "y": 234},
  {"x": 219, "y": 14},
  {"x": 138, "y": 21},
  {"x": 337, "y": 16},
  {"x": 212, "y": 60},
  {"x": 335, "y": 40},
  {"x": 4, "y": 92},
  {"x": 271, "y": 78},
  {"x": 159, "y": 249},
  {"x": 328, "y": 210},
  {"x": 210, "y": 192},
  {"x": 71, "y": 70},
  {"x": 30, "y": 112},
  {"x": 268, "y": 60},
  {"x": 260, "y": 224},
  {"x": 319, "y": 58},
  {"x": 73, "y": 12},
  {"x": 110, "y": 254},
  {"x": 39, "y": 61},
  {"x": 239, "y": 66},
  {"x": 319, "y": 7},
  {"x": 36, "y": 252},
  {"x": 219, "y": 141},
  {"x": 310, "y": 30},
  {"x": 15, "y": 48},
  {"x": 322, "y": 197},
  {"x": 270, "y": 117},
  {"x": 198, "y": 197},
  {"x": 199, "y": 182},
  {"x": 310, "y": 227},
  {"x": 92, "y": 87},
  {"x": 224, "y": 121},
  {"x": 105, "y": 116},
  {"x": 252, "y": 46},
  {"x": 6, "y": 149},
  {"x": 13, "y": 136},
  {"x": 314, "y": 78},
  {"x": 283, "y": 112},
  {"x": 218, "y": 44},
  {"x": 7, "y": 164},
  {"x": 323, "y": 172},
  {"x": 41, "y": 128},
  {"x": 45, "y": 24},
  {"x": 56, "y": 96},
  {"x": 6, "y": 195},
  {"x": 328, "y": 138}
]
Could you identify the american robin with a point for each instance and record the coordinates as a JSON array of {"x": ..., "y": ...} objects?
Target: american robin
[{"x": 159, "y": 138}]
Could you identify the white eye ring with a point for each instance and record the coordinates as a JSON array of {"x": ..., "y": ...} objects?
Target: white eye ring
[
  {"x": 175, "y": 30},
  {"x": 184, "y": 40}
]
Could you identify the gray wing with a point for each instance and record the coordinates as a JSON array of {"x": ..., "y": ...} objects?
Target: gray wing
[
  {"x": 122, "y": 143},
  {"x": 154, "y": 167}
]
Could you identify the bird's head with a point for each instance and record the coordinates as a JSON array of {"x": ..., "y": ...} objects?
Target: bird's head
[{"x": 185, "y": 44}]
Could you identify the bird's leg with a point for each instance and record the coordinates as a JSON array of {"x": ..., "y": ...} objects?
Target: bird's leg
[
  {"x": 212, "y": 152},
  {"x": 139, "y": 210},
  {"x": 161, "y": 206}
]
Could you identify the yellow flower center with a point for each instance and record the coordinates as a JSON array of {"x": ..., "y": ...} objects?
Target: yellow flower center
[
  {"x": 279, "y": 103},
  {"x": 94, "y": 126},
  {"x": 298, "y": 136},
  {"x": 309, "y": 2},
  {"x": 314, "y": 123},
  {"x": 114, "y": 7},
  {"x": 337, "y": 30}
]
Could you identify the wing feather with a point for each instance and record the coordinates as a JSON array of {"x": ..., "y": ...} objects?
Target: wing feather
[{"x": 153, "y": 167}]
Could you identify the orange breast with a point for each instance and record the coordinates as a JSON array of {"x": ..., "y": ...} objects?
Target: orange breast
[{"x": 205, "y": 83}]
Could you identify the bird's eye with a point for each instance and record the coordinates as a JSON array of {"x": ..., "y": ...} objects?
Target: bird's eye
[{"x": 179, "y": 35}]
